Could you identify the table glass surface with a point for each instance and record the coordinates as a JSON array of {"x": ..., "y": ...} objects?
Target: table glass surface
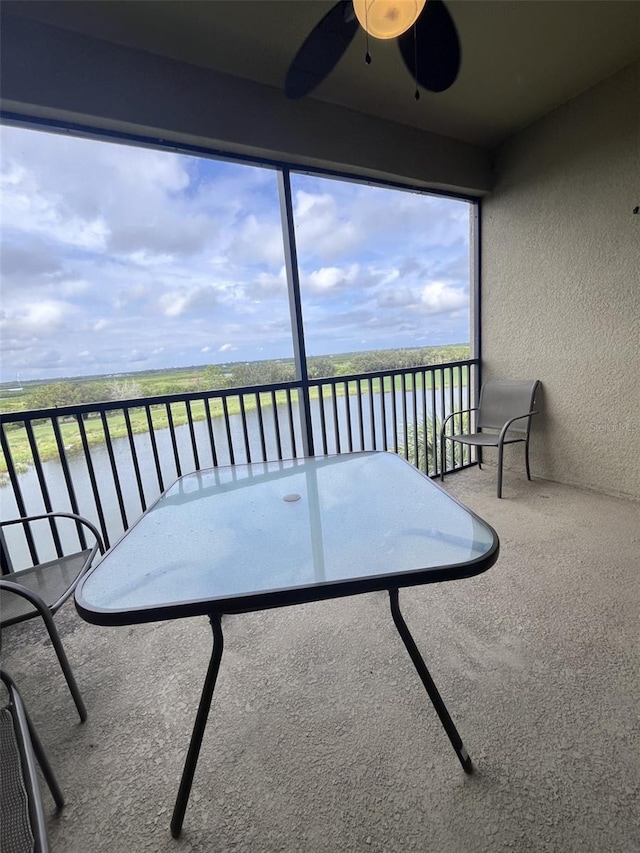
[{"x": 254, "y": 528}]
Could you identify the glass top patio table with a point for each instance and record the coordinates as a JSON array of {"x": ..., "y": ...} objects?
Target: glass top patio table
[
  {"x": 268, "y": 534},
  {"x": 251, "y": 536}
]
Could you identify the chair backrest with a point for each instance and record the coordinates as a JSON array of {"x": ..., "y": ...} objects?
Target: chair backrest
[
  {"x": 503, "y": 399},
  {"x": 30, "y": 540}
]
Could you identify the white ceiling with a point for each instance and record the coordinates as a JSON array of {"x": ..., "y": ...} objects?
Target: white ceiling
[{"x": 520, "y": 58}]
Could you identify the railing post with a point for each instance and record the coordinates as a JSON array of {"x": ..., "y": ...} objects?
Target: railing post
[{"x": 295, "y": 306}]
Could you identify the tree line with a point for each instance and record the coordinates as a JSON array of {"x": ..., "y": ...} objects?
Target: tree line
[{"x": 213, "y": 377}]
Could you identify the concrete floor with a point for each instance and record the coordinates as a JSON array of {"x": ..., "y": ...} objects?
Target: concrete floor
[{"x": 321, "y": 737}]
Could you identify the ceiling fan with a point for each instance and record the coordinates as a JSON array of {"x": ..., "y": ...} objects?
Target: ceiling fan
[{"x": 429, "y": 45}]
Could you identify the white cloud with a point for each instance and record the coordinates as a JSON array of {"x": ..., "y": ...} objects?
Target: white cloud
[
  {"x": 335, "y": 219},
  {"x": 438, "y": 297},
  {"x": 259, "y": 240},
  {"x": 331, "y": 278},
  {"x": 268, "y": 285},
  {"x": 227, "y": 348},
  {"x": 73, "y": 288},
  {"x": 322, "y": 230},
  {"x": 38, "y": 317},
  {"x": 100, "y": 196},
  {"x": 188, "y": 300},
  {"x": 41, "y": 211}
]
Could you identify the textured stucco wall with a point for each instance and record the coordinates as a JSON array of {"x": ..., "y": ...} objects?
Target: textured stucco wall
[{"x": 561, "y": 283}]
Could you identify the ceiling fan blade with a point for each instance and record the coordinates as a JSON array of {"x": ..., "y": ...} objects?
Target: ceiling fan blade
[
  {"x": 436, "y": 47},
  {"x": 321, "y": 50}
]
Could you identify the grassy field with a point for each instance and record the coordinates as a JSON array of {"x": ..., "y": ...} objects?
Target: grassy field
[
  {"x": 117, "y": 426},
  {"x": 44, "y": 394}
]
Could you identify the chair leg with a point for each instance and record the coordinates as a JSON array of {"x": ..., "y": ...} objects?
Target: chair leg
[
  {"x": 526, "y": 458},
  {"x": 500, "y": 455},
  {"x": 46, "y": 768},
  {"x": 64, "y": 663}
]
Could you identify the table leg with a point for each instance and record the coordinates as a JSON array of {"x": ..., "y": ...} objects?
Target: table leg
[
  {"x": 432, "y": 690},
  {"x": 198, "y": 729}
]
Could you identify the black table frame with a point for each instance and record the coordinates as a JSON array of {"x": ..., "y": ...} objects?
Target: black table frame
[
  {"x": 244, "y": 603},
  {"x": 206, "y": 697}
]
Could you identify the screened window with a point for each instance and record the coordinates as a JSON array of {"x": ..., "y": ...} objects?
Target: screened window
[
  {"x": 382, "y": 271},
  {"x": 121, "y": 260}
]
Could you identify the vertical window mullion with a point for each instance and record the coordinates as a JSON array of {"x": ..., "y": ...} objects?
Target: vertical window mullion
[{"x": 295, "y": 305}]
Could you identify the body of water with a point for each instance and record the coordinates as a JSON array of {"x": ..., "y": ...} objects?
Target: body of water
[{"x": 350, "y": 427}]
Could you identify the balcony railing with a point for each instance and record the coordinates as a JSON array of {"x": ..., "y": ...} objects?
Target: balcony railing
[{"x": 109, "y": 461}]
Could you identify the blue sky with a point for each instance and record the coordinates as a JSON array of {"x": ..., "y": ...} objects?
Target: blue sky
[{"x": 117, "y": 258}]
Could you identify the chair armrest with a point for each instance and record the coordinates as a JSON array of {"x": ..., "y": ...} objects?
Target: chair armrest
[
  {"x": 36, "y": 601},
  {"x": 453, "y": 414},
  {"x": 506, "y": 426},
  {"x": 31, "y": 596},
  {"x": 72, "y": 515}
]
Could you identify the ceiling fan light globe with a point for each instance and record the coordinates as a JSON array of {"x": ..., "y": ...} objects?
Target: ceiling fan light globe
[{"x": 387, "y": 19}]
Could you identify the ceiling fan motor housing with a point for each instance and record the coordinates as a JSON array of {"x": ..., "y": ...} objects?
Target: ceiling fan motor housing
[{"x": 387, "y": 19}]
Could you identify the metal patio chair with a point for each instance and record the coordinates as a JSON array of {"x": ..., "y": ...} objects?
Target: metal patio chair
[
  {"x": 22, "y": 821},
  {"x": 505, "y": 409},
  {"x": 42, "y": 589}
]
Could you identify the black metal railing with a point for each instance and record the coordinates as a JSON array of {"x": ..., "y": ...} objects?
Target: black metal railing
[{"x": 108, "y": 461}]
